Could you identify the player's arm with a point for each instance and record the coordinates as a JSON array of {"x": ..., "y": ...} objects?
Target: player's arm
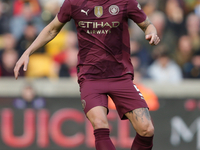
[
  {"x": 45, "y": 36},
  {"x": 150, "y": 32}
]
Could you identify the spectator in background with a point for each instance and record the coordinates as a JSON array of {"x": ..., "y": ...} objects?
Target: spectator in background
[
  {"x": 158, "y": 18},
  {"x": 8, "y": 56},
  {"x": 149, "y": 6},
  {"x": 143, "y": 55},
  {"x": 175, "y": 17},
  {"x": 8, "y": 43},
  {"x": 18, "y": 6},
  {"x": 67, "y": 59},
  {"x": 164, "y": 69},
  {"x": 29, "y": 99},
  {"x": 193, "y": 30},
  {"x": 137, "y": 64},
  {"x": 68, "y": 67},
  {"x": 184, "y": 51},
  {"x": 19, "y": 21},
  {"x": 28, "y": 36},
  {"x": 50, "y": 9},
  {"x": 192, "y": 69},
  {"x": 4, "y": 20}
]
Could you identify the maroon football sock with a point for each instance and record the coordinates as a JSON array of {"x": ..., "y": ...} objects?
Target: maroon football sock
[
  {"x": 102, "y": 139},
  {"x": 142, "y": 143}
]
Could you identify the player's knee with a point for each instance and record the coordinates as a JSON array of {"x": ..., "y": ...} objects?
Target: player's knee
[
  {"x": 147, "y": 130},
  {"x": 99, "y": 123}
]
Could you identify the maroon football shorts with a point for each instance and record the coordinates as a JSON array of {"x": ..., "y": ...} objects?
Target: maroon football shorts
[{"x": 122, "y": 90}]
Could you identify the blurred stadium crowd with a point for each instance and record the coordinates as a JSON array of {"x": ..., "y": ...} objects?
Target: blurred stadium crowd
[{"x": 176, "y": 58}]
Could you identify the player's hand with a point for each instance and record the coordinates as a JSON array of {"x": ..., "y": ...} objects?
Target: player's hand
[
  {"x": 153, "y": 39},
  {"x": 23, "y": 61}
]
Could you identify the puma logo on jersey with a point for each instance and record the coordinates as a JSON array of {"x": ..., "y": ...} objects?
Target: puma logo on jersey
[{"x": 86, "y": 12}]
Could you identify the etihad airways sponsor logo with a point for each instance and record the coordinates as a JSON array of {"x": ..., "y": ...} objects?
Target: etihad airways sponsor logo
[
  {"x": 95, "y": 25},
  {"x": 98, "y": 31},
  {"x": 98, "y": 27}
]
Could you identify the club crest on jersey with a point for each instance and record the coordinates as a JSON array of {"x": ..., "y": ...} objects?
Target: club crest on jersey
[
  {"x": 98, "y": 11},
  {"x": 113, "y": 9}
]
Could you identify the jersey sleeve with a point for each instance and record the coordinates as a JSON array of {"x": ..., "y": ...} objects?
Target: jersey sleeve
[
  {"x": 135, "y": 12},
  {"x": 64, "y": 15}
]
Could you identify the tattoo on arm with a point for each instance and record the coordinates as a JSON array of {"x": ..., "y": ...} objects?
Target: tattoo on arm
[
  {"x": 141, "y": 113},
  {"x": 53, "y": 33},
  {"x": 144, "y": 24},
  {"x": 50, "y": 33}
]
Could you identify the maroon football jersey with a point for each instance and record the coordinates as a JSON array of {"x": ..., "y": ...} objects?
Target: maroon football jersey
[{"x": 104, "y": 43}]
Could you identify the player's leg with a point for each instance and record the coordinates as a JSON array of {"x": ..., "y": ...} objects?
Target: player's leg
[
  {"x": 131, "y": 104},
  {"x": 95, "y": 104},
  {"x": 141, "y": 121},
  {"x": 98, "y": 118}
]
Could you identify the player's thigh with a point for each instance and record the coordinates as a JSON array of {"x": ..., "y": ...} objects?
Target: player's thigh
[
  {"x": 126, "y": 96},
  {"x": 98, "y": 117},
  {"x": 141, "y": 121},
  {"x": 95, "y": 102},
  {"x": 93, "y": 94}
]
